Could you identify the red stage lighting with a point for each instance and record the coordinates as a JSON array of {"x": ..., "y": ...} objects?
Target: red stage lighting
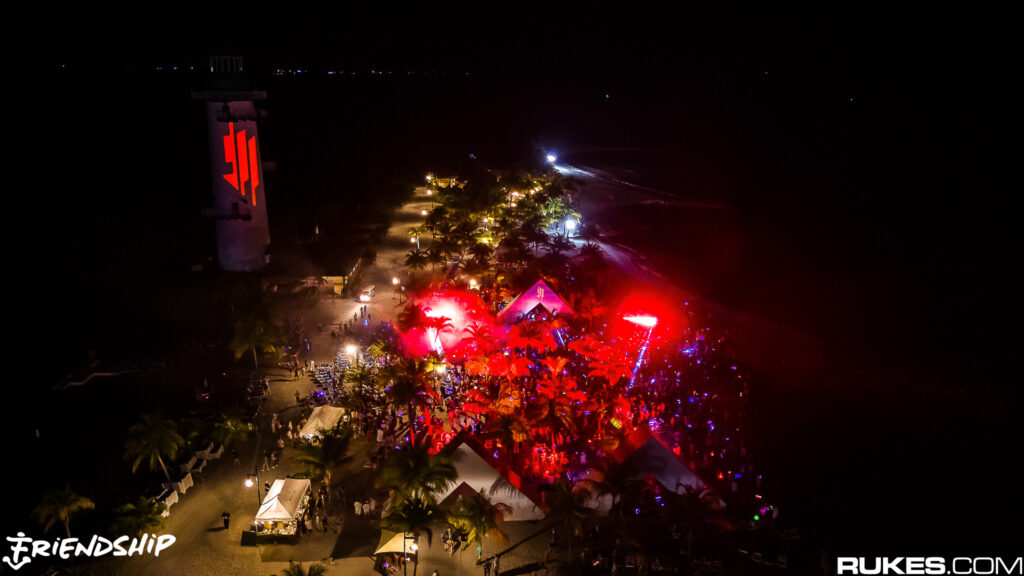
[{"x": 645, "y": 321}]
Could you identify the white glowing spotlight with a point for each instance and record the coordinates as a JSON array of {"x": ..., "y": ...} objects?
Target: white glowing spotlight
[{"x": 645, "y": 321}]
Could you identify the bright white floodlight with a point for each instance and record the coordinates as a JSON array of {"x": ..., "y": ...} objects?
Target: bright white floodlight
[{"x": 552, "y": 158}]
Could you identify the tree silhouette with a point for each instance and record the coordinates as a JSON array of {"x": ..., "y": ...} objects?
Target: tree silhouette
[
  {"x": 152, "y": 440},
  {"x": 138, "y": 516},
  {"x": 412, "y": 472},
  {"x": 323, "y": 456},
  {"x": 57, "y": 507},
  {"x": 416, "y": 516},
  {"x": 479, "y": 518},
  {"x": 230, "y": 430}
]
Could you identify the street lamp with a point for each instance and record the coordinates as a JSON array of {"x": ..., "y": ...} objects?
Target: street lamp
[
  {"x": 552, "y": 158},
  {"x": 394, "y": 280},
  {"x": 249, "y": 484},
  {"x": 423, "y": 212},
  {"x": 570, "y": 225}
]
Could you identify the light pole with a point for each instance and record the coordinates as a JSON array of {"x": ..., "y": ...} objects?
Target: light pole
[
  {"x": 259, "y": 498},
  {"x": 249, "y": 483},
  {"x": 570, "y": 226}
]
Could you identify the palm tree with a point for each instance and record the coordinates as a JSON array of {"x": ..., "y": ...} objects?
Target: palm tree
[
  {"x": 138, "y": 516},
  {"x": 58, "y": 505},
  {"x": 448, "y": 246},
  {"x": 152, "y": 440},
  {"x": 439, "y": 324},
  {"x": 255, "y": 333},
  {"x": 478, "y": 517},
  {"x": 412, "y": 472},
  {"x": 435, "y": 256},
  {"x": 475, "y": 268},
  {"x": 382, "y": 349},
  {"x": 618, "y": 481},
  {"x": 479, "y": 337},
  {"x": 230, "y": 430},
  {"x": 533, "y": 233},
  {"x": 322, "y": 457},
  {"x": 412, "y": 316},
  {"x": 416, "y": 232},
  {"x": 408, "y": 382},
  {"x": 293, "y": 569},
  {"x": 417, "y": 516},
  {"x": 416, "y": 260},
  {"x": 552, "y": 407},
  {"x": 566, "y": 504}
]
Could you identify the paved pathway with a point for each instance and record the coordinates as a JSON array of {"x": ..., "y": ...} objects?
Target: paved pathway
[{"x": 203, "y": 547}]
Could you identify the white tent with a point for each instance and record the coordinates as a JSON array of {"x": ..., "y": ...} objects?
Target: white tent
[
  {"x": 475, "y": 473},
  {"x": 283, "y": 500},
  {"x": 322, "y": 418}
]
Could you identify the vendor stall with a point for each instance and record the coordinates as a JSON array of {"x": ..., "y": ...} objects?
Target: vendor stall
[
  {"x": 391, "y": 543},
  {"x": 284, "y": 505},
  {"x": 322, "y": 419}
]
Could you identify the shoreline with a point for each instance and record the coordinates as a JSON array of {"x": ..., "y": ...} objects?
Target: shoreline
[{"x": 598, "y": 195}]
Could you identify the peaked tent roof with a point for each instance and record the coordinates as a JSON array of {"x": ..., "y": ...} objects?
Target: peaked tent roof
[
  {"x": 391, "y": 542},
  {"x": 322, "y": 418},
  {"x": 474, "y": 472},
  {"x": 539, "y": 293},
  {"x": 283, "y": 499},
  {"x": 653, "y": 458},
  {"x": 648, "y": 455}
]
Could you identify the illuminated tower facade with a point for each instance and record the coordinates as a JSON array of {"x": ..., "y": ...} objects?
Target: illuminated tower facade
[{"x": 239, "y": 204}]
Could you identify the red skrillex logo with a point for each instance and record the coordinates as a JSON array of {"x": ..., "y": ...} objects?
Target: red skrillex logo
[{"x": 241, "y": 154}]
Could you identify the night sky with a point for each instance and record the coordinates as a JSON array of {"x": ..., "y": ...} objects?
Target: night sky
[{"x": 885, "y": 129}]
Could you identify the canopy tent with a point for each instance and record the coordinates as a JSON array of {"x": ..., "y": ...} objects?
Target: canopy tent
[
  {"x": 474, "y": 473},
  {"x": 653, "y": 458},
  {"x": 391, "y": 543},
  {"x": 283, "y": 500},
  {"x": 540, "y": 294},
  {"x": 322, "y": 418},
  {"x": 645, "y": 455}
]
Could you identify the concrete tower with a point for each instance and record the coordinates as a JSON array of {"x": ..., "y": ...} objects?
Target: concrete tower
[{"x": 239, "y": 204}]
